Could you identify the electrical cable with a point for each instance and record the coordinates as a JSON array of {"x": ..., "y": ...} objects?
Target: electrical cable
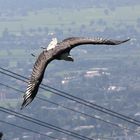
[
  {"x": 24, "y": 128},
  {"x": 85, "y": 114},
  {"x": 79, "y": 100},
  {"x": 45, "y": 124}
]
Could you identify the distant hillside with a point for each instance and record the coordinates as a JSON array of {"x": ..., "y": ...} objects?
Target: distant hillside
[{"x": 40, "y": 4}]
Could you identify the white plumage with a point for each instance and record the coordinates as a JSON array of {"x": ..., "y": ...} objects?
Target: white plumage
[{"x": 52, "y": 44}]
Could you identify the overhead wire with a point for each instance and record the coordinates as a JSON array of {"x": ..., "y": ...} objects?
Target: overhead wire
[
  {"x": 53, "y": 92},
  {"x": 82, "y": 113},
  {"x": 46, "y": 125},
  {"x": 24, "y": 128},
  {"x": 75, "y": 98}
]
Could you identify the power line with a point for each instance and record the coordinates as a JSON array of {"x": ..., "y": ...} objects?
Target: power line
[
  {"x": 88, "y": 115},
  {"x": 24, "y": 128},
  {"x": 77, "y": 99},
  {"x": 37, "y": 131},
  {"x": 81, "y": 101},
  {"x": 44, "y": 124}
]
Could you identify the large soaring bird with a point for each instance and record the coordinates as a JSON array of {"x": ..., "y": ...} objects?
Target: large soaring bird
[{"x": 61, "y": 51}]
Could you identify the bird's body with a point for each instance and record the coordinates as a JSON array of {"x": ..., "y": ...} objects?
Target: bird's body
[
  {"x": 61, "y": 51},
  {"x": 52, "y": 44}
]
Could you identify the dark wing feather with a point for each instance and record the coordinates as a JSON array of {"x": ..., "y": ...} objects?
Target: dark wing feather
[
  {"x": 36, "y": 77},
  {"x": 76, "y": 41}
]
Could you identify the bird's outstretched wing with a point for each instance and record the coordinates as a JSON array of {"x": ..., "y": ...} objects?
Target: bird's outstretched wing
[
  {"x": 76, "y": 41},
  {"x": 46, "y": 56},
  {"x": 36, "y": 77}
]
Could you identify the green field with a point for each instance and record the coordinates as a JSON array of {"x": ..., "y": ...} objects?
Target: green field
[{"x": 63, "y": 18}]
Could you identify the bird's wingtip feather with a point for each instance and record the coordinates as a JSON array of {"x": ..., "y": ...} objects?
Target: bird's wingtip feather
[
  {"x": 127, "y": 40},
  {"x": 122, "y": 41},
  {"x": 25, "y": 103}
]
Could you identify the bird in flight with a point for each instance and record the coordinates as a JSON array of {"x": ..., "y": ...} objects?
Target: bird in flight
[{"x": 60, "y": 51}]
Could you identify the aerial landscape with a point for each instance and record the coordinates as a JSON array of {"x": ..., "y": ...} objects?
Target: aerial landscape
[{"x": 95, "y": 97}]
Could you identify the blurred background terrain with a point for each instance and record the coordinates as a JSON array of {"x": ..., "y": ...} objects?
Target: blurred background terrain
[{"x": 107, "y": 76}]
